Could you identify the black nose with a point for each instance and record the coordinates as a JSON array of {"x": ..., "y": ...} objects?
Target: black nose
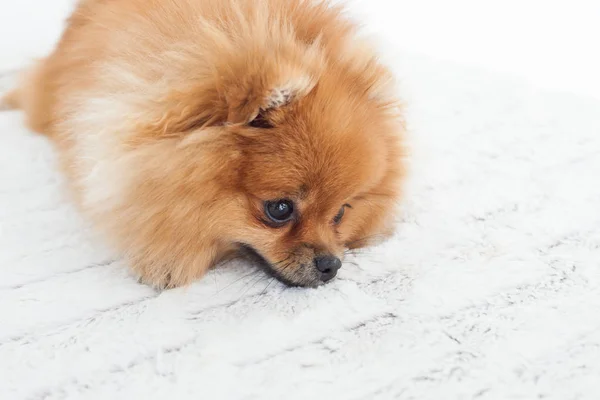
[{"x": 328, "y": 266}]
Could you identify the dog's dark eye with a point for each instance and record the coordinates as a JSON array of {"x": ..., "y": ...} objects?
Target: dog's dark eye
[
  {"x": 279, "y": 210},
  {"x": 338, "y": 218}
]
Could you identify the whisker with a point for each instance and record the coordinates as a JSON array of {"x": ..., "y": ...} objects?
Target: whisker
[
  {"x": 236, "y": 281},
  {"x": 355, "y": 265},
  {"x": 215, "y": 280},
  {"x": 265, "y": 289},
  {"x": 355, "y": 253},
  {"x": 288, "y": 265},
  {"x": 260, "y": 278},
  {"x": 282, "y": 261},
  {"x": 364, "y": 238}
]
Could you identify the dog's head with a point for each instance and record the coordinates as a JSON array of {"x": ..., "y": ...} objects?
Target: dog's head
[{"x": 317, "y": 169}]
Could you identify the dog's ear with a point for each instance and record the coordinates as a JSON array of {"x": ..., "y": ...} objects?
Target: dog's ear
[
  {"x": 249, "y": 103},
  {"x": 246, "y": 101},
  {"x": 241, "y": 89}
]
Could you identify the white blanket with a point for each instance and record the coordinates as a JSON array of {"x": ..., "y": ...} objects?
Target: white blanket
[{"x": 490, "y": 289}]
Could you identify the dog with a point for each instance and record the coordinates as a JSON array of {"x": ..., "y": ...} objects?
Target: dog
[{"x": 192, "y": 130}]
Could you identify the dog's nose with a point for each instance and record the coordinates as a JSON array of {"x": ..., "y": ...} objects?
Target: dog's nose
[{"x": 328, "y": 266}]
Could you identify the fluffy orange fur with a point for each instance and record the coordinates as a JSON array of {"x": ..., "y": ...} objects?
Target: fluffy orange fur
[{"x": 176, "y": 120}]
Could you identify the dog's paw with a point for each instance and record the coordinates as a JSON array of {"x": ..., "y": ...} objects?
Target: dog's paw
[{"x": 158, "y": 284}]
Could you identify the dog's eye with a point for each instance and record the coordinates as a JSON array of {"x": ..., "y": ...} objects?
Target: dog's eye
[
  {"x": 279, "y": 211},
  {"x": 338, "y": 218}
]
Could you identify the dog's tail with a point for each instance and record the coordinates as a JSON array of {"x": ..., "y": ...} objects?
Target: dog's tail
[
  {"x": 9, "y": 97},
  {"x": 10, "y": 101},
  {"x": 29, "y": 93}
]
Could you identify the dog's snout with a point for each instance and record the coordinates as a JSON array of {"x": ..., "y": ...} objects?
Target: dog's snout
[{"x": 328, "y": 266}]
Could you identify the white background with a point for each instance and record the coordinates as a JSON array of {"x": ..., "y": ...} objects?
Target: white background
[{"x": 553, "y": 43}]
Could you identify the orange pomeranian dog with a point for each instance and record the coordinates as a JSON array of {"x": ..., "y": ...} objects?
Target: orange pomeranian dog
[{"x": 190, "y": 130}]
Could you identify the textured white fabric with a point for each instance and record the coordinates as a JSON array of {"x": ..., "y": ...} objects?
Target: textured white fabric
[{"x": 490, "y": 289}]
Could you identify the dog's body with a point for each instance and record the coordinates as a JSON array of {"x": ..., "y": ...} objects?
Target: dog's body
[{"x": 189, "y": 128}]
